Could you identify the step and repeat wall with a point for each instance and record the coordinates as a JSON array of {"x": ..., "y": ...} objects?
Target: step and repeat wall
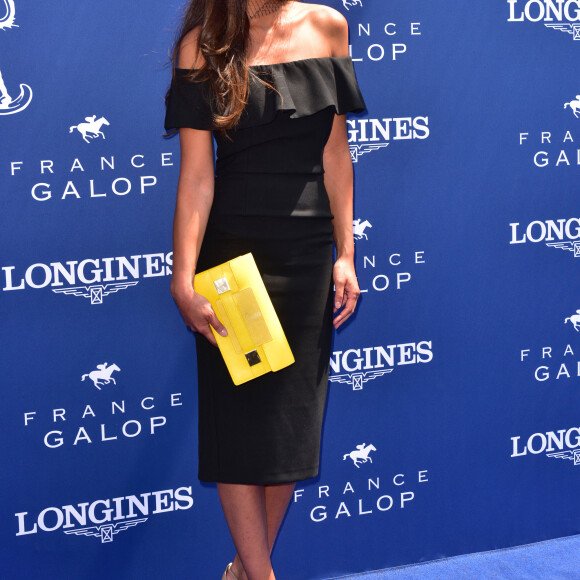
[{"x": 452, "y": 423}]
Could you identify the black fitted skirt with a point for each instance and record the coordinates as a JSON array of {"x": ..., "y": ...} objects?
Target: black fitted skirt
[{"x": 267, "y": 431}]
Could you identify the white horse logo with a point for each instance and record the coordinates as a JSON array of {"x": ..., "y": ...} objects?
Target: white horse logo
[
  {"x": 360, "y": 454},
  {"x": 103, "y": 373},
  {"x": 574, "y": 105},
  {"x": 347, "y": 3},
  {"x": 575, "y": 320},
  {"x": 359, "y": 229},
  {"x": 91, "y": 129}
]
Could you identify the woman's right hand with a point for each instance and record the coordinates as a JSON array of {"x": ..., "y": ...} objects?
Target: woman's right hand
[{"x": 197, "y": 313}]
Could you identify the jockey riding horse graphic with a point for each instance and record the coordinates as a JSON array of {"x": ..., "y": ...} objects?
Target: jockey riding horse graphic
[
  {"x": 360, "y": 454},
  {"x": 91, "y": 129},
  {"x": 103, "y": 373},
  {"x": 347, "y": 3},
  {"x": 575, "y": 320},
  {"x": 359, "y": 229},
  {"x": 574, "y": 105}
]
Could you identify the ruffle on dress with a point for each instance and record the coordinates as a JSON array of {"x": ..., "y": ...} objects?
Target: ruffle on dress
[{"x": 300, "y": 88}]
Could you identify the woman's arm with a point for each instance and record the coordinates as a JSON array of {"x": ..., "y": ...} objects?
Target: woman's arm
[
  {"x": 194, "y": 200},
  {"x": 338, "y": 180}
]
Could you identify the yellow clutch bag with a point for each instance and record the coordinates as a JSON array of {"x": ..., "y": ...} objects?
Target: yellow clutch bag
[{"x": 256, "y": 343}]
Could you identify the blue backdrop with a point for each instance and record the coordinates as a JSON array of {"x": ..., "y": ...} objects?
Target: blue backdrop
[{"x": 457, "y": 380}]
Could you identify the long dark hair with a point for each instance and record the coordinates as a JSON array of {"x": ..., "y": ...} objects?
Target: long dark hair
[{"x": 224, "y": 34}]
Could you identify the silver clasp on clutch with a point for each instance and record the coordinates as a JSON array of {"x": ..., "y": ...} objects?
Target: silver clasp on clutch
[
  {"x": 253, "y": 358},
  {"x": 221, "y": 285}
]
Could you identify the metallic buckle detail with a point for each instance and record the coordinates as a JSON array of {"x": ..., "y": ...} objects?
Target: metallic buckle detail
[
  {"x": 221, "y": 285},
  {"x": 253, "y": 358}
]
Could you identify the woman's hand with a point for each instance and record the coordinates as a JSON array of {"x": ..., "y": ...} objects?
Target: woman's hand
[
  {"x": 197, "y": 313},
  {"x": 346, "y": 290}
]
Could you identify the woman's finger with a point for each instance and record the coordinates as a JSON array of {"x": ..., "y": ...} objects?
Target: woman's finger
[
  {"x": 215, "y": 322},
  {"x": 209, "y": 335},
  {"x": 338, "y": 294},
  {"x": 350, "y": 300}
]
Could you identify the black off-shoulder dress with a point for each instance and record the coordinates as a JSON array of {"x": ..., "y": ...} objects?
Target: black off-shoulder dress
[{"x": 270, "y": 200}]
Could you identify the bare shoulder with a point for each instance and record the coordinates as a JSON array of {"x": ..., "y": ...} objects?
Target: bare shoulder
[
  {"x": 331, "y": 24},
  {"x": 189, "y": 54}
]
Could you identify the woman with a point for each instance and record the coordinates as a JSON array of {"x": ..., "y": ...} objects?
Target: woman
[{"x": 272, "y": 79}]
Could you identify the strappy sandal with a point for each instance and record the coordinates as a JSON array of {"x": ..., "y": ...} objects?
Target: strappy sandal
[{"x": 229, "y": 569}]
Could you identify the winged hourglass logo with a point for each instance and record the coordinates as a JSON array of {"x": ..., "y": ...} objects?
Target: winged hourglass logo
[
  {"x": 573, "y": 247},
  {"x": 357, "y": 150},
  {"x": 96, "y": 292},
  {"x": 357, "y": 380},
  {"x": 573, "y": 29},
  {"x": 106, "y": 531},
  {"x": 572, "y": 454}
]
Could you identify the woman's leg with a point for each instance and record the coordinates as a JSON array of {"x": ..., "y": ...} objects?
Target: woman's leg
[
  {"x": 276, "y": 500},
  {"x": 245, "y": 510}
]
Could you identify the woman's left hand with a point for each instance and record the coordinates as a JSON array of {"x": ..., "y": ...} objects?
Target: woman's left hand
[{"x": 346, "y": 290}]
